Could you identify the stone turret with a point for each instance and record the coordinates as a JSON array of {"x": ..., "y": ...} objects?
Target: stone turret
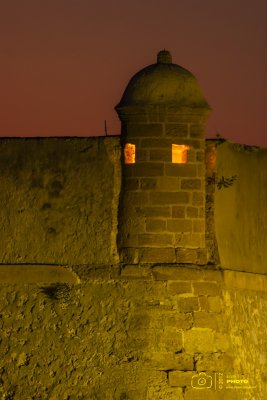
[{"x": 162, "y": 206}]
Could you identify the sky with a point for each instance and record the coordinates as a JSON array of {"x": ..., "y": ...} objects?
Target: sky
[{"x": 65, "y": 63}]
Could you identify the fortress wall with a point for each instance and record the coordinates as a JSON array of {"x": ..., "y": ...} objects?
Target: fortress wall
[
  {"x": 137, "y": 334},
  {"x": 59, "y": 200},
  {"x": 240, "y": 209}
]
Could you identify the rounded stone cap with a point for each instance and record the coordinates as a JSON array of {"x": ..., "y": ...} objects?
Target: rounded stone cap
[
  {"x": 163, "y": 83},
  {"x": 164, "y": 57}
]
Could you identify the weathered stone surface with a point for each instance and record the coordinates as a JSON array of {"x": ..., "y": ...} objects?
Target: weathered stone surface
[
  {"x": 199, "y": 340},
  {"x": 176, "y": 273},
  {"x": 188, "y": 304},
  {"x": 205, "y": 320},
  {"x": 176, "y": 130},
  {"x": 144, "y": 130},
  {"x": 165, "y": 361},
  {"x": 206, "y": 288},
  {"x": 154, "y": 255},
  {"x": 155, "y": 225},
  {"x": 180, "y": 378},
  {"x": 221, "y": 362},
  {"x": 166, "y": 198},
  {"x": 181, "y": 170},
  {"x": 175, "y": 288},
  {"x": 191, "y": 183},
  {"x": 53, "y": 211},
  {"x": 179, "y": 225},
  {"x": 13, "y": 274}
]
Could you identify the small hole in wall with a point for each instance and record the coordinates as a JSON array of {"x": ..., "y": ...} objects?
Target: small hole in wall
[
  {"x": 129, "y": 153},
  {"x": 179, "y": 153}
]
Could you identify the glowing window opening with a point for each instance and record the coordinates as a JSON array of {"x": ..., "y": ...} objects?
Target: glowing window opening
[
  {"x": 129, "y": 153},
  {"x": 179, "y": 153}
]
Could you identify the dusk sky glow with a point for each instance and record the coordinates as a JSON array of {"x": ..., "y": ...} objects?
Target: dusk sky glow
[{"x": 65, "y": 63}]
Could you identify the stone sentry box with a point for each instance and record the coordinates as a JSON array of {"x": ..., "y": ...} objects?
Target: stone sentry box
[{"x": 162, "y": 204}]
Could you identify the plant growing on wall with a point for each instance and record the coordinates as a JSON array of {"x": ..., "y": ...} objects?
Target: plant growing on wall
[
  {"x": 57, "y": 291},
  {"x": 222, "y": 182}
]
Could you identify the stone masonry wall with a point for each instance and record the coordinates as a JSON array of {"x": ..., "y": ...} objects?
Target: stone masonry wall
[
  {"x": 140, "y": 333},
  {"x": 59, "y": 200}
]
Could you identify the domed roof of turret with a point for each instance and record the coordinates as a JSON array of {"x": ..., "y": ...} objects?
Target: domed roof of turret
[{"x": 163, "y": 83}]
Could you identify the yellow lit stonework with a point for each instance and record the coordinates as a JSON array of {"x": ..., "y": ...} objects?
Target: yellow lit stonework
[
  {"x": 179, "y": 153},
  {"x": 129, "y": 153}
]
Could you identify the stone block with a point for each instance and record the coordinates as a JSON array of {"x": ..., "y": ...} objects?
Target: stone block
[
  {"x": 197, "y": 131},
  {"x": 147, "y": 169},
  {"x": 135, "y": 199},
  {"x": 192, "y": 212},
  {"x": 198, "y": 199},
  {"x": 188, "y": 304},
  {"x": 154, "y": 211},
  {"x": 191, "y": 256},
  {"x": 204, "y": 319},
  {"x": 184, "y": 170},
  {"x": 144, "y": 130},
  {"x": 215, "y": 304},
  {"x": 189, "y": 240},
  {"x": 199, "y": 225},
  {"x": 191, "y": 155},
  {"x": 165, "y": 361},
  {"x": 160, "y": 155},
  {"x": 161, "y": 392},
  {"x": 207, "y": 394},
  {"x": 199, "y": 340},
  {"x": 200, "y": 156},
  {"x": 155, "y": 239},
  {"x": 156, "y": 143},
  {"x": 141, "y": 155},
  {"x": 165, "y": 198},
  {"x": 178, "y": 211},
  {"x": 204, "y": 304},
  {"x": 190, "y": 183},
  {"x": 213, "y": 275},
  {"x": 168, "y": 183},
  {"x": 176, "y": 288},
  {"x": 176, "y": 130},
  {"x": 135, "y": 272},
  {"x": 180, "y": 378},
  {"x": 221, "y": 362},
  {"x": 171, "y": 340},
  {"x": 207, "y": 288},
  {"x": 155, "y": 225},
  {"x": 174, "y": 319},
  {"x": 179, "y": 225},
  {"x": 148, "y": 183},
  {"x": 201, "y": 170},
  {"x": 177, "y": 273}
]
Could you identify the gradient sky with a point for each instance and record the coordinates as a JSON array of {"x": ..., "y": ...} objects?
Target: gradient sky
[{"x": 65, "y": 63}]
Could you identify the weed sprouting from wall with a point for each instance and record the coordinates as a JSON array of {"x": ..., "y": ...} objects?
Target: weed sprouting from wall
[
  {"x": 57, "y": 292},
  {"x": 222, "y": 182}
]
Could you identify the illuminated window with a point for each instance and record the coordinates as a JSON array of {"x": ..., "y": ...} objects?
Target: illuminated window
[
  {"x": 179, "y": 153},
  {"x": 129, "y": 153}
]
